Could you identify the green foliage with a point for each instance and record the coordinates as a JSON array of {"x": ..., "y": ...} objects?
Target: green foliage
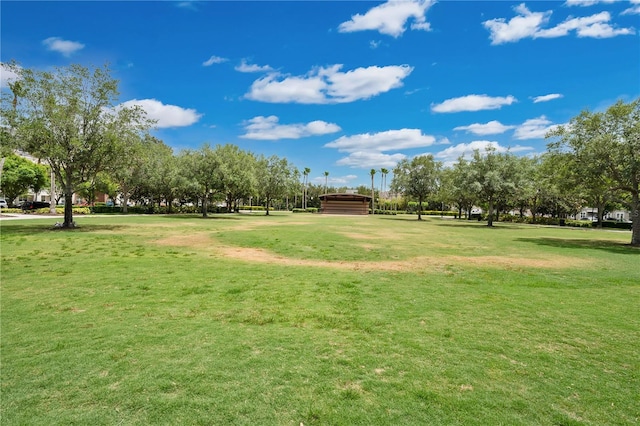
[
  {"x": 51, "y": 116},
  {"x": 20, "y": 175},
  {"x": 604, "y": 150}
]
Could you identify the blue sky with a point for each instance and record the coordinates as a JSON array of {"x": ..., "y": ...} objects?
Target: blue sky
[{"x": 344, "y": 86}]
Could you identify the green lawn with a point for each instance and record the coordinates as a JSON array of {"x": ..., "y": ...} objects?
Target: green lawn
[{"x": 291, "y": 319}]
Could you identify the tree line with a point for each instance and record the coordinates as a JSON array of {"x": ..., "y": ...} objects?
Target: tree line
[{"x": 68, "y": 118}]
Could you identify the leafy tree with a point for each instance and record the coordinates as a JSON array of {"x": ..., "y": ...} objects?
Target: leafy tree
[
  {"x": 67, "y": 117},
  {"x": 459, "y": 188},
  {"x": 20, "y": 175},
  {"x": 418, "y": 178},
  {"x": 202, "y": 167},
  {"x": 492, "y": 177},
  {"x": 607, "y": 145},
  {"x": 275, "y": 176},
  {"x": 237, "y": 174}
]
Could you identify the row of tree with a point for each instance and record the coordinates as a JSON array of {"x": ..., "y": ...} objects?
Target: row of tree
[
  {"x": 68, "y": 119},
  {"x": 594, "y": 160}
]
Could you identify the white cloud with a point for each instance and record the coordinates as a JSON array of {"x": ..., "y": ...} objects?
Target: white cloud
[
  {"x": 633, "y": 10},
  {"x": 534, "y": 128},
  {"x": 335, "y": 180},
  {"x": 214, "y": 60},
  {"x": 524, "y": 25},
  {"x": 450, "y": 155},
  {"x": 529, "y": 24},
  {"x": 586, "y": 2},
  {"x": 268, "y": 128},
  {"x": 65, "y": 47},
  {"x": 390, "y": 18},
  {"x": 491, "y": 128},
  {"x": 389, "y": 140},
  {"x": 374, "y": 44},
  {"x": 245, "y": 67},
  {"x": 594, "y": 26},
  {"x": 328, "y": 85},
  {"x": 7, "y": 76},
  {"x": 473, "y": 103},
  {"x": 368, "y": 159},
  {"x": 547, "y": 98},
  {"x": 165, "y": 115}
]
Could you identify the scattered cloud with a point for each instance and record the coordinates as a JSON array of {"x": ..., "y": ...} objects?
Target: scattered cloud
[
  {"x": 529, "y": 24},
  {"x": 547, "y": 98},
  {"x": 368, "y": 159},
  {"x": 473, "y": 103},
  {"x": 390, "y": 140},
  {"x": 367, "y": 150},
  {"x": 374, "y": 44},
  {"x": 245, "y": 67},
  {"x": 328, "y": 85},
  {"x": 7, "y": 76},
  {"x": 165, "y": 115},
  {"x": 188, "y": 4},
  {"x": 586, "y": 2},
  {"x": 633, "y": 10},
  {"x": 594, "y": 26},
  {"x": 491, "y": 128},
  {"x": 65, "y": 47},
  {"x": 268, "y": 128},
  {"x": 390, "y": 18},
  {"x": 334, "y": 180},
  {"x": 450, "y": 155},
  {"x": 534, "y": 128},
  {"x": 214, "y": 60}
]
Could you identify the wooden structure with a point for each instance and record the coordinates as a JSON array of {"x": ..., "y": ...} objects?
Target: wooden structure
[{"x": 355, "y": 204}]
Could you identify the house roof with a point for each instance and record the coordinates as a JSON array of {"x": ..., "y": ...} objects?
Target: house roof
[{"x": 345, "y": 197}]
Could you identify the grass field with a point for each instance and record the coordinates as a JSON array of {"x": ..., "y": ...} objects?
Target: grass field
[{"x": 312, "y": 319}]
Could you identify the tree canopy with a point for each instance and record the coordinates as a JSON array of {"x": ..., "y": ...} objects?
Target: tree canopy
[{"x": 68, "y": 118}]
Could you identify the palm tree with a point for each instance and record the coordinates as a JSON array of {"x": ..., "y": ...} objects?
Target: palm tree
[
  {"x": 305, "y": 173},
  {"x": 326, "y": 181},
  {"x": 383, "y": 180},
  {"x": 373, "y": 192}
]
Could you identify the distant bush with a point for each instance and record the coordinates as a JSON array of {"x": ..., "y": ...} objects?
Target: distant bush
[
  {"x": 307, "y": 210},
  {"x": 252, "y": 208}
]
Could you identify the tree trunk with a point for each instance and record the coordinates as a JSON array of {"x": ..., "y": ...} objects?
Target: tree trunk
[
  {"x": 490, "y": 216},
  {"x": 419, "y": 208},
  {"x": 68, "y": 207},
  {"x": 125, "y": 199},
  {"x": 635, "y": 220},
  {"x": 205, "y": 205},
  {"x": 600, "y": 207}
]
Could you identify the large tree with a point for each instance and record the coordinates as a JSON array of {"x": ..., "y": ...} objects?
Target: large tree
[
  {"x": 607, "y": 144},
  {"x": 492, "y": 177},
  {"x": 236, "y": 175},
  {"x": 202, "y": 168},
  {"x": 68, "y": 118},
  {"x": 20, "y": 175},
  {"x": 275, "y": 177},
  {"x": 418, "y": 178}
]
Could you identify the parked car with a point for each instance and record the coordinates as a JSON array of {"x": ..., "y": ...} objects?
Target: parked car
[
  {"x": 33, "y": 205},
  {"x": 3, "y": 204}
]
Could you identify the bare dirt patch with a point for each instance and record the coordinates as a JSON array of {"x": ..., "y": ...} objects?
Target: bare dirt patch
[{"x": 204, "y": 242}]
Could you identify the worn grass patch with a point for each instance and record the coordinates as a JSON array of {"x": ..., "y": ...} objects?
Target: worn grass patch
[{"x": 317, "y": 320}]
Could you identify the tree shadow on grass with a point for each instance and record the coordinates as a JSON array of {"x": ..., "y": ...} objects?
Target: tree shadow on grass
[
  {"x": 195, "y": 217},
  {"x": 480, "y": 225},
  {"x": 24, "y": 228},
  {"x": 610, "y": 246}
]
